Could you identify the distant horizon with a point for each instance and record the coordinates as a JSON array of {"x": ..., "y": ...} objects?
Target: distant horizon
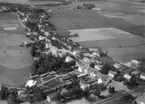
[{"x": 27, "y": 1}]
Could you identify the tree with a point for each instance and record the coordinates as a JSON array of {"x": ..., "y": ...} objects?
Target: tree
[
  {"x": 111, "y": 90},
  {"x": 105, "y": 69},
  {"x": 89, "y": 6},
  {"x": 37, "y": 93},
  {"x": 133, "y": 81},
  {"x": 92, "y": 65},
  {"x": 35, "y": 67},
  {"x": 4, "y": 93},
  {"x": 127, "y": 99},
  {"x": 97, "y": 92},
  {"x": 33, "y": 49},
  {"x": 11, "y": 98}
]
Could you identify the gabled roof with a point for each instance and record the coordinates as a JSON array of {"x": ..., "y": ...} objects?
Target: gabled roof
[
  {"x": 143, "y": 74},
  {"x": 112, "y": 72}
]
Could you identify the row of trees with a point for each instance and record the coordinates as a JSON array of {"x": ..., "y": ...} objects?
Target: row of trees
[
  {"x": 10, "y": 95},
  {"x": 33, "y": 94},
  {"x": 32, "y": 26},
  {"x": 49, "y": 62},
  {"x": 74, "y": 91}
]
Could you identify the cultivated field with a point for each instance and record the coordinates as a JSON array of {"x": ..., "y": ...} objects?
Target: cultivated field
[
  {"x": 121, "y": 45},
  {"x": 15, "y": 61},
  {"x": 82, "y": 19}
]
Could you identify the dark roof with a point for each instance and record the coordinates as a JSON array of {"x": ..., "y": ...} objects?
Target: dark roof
[{"x": 124, "y": 69}]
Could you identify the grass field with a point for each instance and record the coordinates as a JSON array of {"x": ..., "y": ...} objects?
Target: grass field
[
  {"x": 15, "y": 61},
  {"x": 121, "y": 45},
  {"x": 82, "y": 19}
]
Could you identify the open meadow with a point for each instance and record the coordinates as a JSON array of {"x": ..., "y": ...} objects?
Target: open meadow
[
  {"x": 15, "y": 61},
  {"x": 82, "y": 19}
]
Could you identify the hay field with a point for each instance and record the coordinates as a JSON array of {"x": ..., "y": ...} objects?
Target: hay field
[
  {"x": 11, "y": 19},
  {"x": 8, "y": 18},
  {"x": 100, "y": 34},
  {"x": 82, "y": 19},
  {"x": 15, "y": 61}
]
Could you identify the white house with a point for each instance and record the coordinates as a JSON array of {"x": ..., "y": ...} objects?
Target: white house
[
  {"x": 92, "y": 74},
  {"x": 127, "y": 76},
  {"x": 28, "y": 34},
  {"x": 47, "y": 45},
  {"x": 30, "y": 83},
  {"x": 86, "y": 54},
  {"x": 85, "y": 71},
  {"x": 68, "y": 59},
  {"x": 94, "y": 54},
  {"x": 47, "y": 33},
  {"x": 142, "y": 76},
  {"x": 116, "y": 65},
  {"x": 111, "y": 73},
  {"x": 86, "y": 59},
  {"x": 135, "y": 63},
  {"x": 97, "y": 67},
  {"x": 41, "y": 38},
  {"x": 53, "y": 38},
  {"x": 24, "y": 20},
  {"x": 99, "y": 81}
]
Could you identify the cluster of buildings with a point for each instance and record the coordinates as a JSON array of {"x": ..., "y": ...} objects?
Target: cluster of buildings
[{"x": 84, "y": 57}]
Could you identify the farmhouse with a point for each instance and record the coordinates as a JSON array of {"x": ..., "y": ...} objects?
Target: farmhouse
[
  {"x": 111, "y": 73},
  {"x": 127, "y": 76},
  {"x": 135, "y": 63}
]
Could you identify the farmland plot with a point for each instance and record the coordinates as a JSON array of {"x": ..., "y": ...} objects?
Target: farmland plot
[{"x": 82, "y": 19}]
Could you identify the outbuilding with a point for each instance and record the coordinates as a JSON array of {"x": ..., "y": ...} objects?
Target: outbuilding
[
  {"x": 30, "y": 83},
  {"x": 135, "y": 63},
  {"x": 68, "y": 59},
  {"x": 111, "y": 73},
  {"x": 127, "y": 76},
  {"x": 142, "y": 76}
]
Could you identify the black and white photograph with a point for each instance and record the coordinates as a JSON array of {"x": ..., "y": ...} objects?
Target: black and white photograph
[{"x": 72, "y": 51}]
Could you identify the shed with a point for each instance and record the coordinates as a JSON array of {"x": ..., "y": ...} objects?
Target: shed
[{"x": 142, "y": 76}]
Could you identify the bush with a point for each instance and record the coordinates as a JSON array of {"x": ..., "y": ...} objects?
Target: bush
[
  {"x": 89, "y": 6},
  {"x": 105, "y": 69},
  {"x": 4, "y": 93},
  {"x": 111, "y": 90}
]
